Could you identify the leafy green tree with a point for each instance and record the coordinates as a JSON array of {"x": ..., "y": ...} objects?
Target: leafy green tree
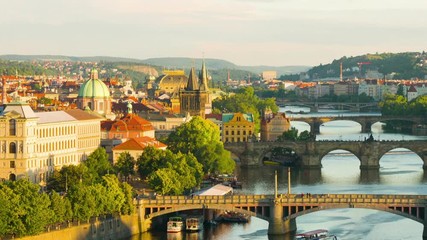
[
  {"x": 9, "y": 215},
  {"x": 166, "y": 181},
  {"x": 290, "y": 135},
  {"x": 83, "y": 202},
  {"x": 202, "y": 139},
  {"x": 114, "y": 194},
  {"x": 33, "y": 207},
  {"x": 98, "y": 164},
  {"x": 152, "y": 159},
  {"x": 304, "y": 135},
  {"x": 125, "y": 165},
  {"x": 61, "y": 208},
  {"x": 127, "y": 207},
  {"x": 69, "y": 176}
]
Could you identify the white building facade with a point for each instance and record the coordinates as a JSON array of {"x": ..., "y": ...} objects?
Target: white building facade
[{"x": 33, "y": 144}]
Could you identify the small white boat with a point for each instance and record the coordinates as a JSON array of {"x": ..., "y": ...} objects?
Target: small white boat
[
  {"x": 194, "y": 224},
  {"x": 175, "y": 224},
  {"x": 318, "y": 234}
]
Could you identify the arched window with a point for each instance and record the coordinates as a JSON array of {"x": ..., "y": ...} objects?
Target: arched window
[
  {"x": 12, "y": 127},
  {"x": 12, "y": 147}
]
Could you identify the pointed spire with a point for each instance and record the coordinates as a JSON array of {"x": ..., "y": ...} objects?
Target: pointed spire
[
  {"x": 203, "y": 76},
  {"x": 192, "y": 83}
]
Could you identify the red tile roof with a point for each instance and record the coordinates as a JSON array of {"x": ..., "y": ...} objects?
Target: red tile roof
[{"x": 140, "y": 144}]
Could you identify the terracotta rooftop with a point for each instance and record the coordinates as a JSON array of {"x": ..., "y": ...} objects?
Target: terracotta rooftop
[{"x": 140, "y": 144}]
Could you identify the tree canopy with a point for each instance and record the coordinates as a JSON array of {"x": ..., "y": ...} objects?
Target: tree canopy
[
  {"x": 154, "y": 163},
  {"x": 202, "y": 138}
]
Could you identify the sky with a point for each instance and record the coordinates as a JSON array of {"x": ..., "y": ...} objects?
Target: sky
[{"x": 245, "y": 32}]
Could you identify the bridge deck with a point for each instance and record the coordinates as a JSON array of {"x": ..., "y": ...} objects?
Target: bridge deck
[{"x": 286, "y": 199}]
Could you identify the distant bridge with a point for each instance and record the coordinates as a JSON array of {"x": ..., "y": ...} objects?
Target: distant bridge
[
  {"x": 365, "y": 122},
  {"x": 282, "y": 210},
  {"x": 311, "y": 152},
  {"x": 316, "y": 106}
]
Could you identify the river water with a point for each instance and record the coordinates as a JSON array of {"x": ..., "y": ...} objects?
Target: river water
[{"x": 400, "y": 172}]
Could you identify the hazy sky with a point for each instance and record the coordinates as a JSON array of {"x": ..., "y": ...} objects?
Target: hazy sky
[{"x": 246, "y": 32}]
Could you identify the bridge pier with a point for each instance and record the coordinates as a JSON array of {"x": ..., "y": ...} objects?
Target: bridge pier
[{"x": 277, "y": 225}]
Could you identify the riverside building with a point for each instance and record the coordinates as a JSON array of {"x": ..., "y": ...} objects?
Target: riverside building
[{"x": 33, "y": 144}]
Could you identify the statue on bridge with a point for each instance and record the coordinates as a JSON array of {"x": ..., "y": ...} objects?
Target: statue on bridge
[{"x": 370, "y": 138}]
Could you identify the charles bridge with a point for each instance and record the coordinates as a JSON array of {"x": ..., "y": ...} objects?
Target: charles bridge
[
  {"x": 281, "y": 210},
  {"x": 310, "y": 153}
]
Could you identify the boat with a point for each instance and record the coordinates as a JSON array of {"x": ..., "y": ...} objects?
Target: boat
[
  {"x": 318, "y": 234},
  {"x": 175, "y": 224},
  {"x": 230, "y": 216},
  {"x": 194, "y": 224}
]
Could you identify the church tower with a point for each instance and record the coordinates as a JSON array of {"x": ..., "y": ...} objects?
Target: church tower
[{"x": 193, "y": 98}]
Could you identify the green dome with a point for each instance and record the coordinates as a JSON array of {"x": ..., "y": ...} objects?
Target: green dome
[{"x": 93, "y": 88}]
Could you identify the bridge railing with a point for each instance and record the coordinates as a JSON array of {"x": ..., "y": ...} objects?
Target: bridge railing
[{"x": 289, "y": 199}]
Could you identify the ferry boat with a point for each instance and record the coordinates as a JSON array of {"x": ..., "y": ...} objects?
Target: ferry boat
[
  {"x": 194, "y": 224},
  {"x": 318, "y": 234},
  {"x": 175, "y": 224}
]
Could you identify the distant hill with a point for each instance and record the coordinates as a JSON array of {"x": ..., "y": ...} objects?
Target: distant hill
[
  {"x": 15, "y": 57},
  {"x": 404, "y": 65},
  {"x": 167, "y": 63},
  {"x": 216, "y": 64}
]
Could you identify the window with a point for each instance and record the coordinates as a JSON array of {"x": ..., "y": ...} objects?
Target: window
[
  {"x": 12, "y": 127},
  {"x": 232, "y": 132},
  {"x": 12, "y": 147},
  {"x": 12, "y": 164}
]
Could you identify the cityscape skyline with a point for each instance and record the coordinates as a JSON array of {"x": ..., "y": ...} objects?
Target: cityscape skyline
[{"x": 255, "y": 32}]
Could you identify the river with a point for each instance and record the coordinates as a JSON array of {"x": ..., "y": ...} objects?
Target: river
[{"x": 400, "y": 172}]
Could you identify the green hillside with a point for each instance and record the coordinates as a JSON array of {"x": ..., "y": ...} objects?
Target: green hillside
[{"x": 405, "y": 65}]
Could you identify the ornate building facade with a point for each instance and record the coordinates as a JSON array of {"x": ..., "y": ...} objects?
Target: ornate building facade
[
  {"x": 33, "y": 144},
  {"x": 237, "y": 127}
]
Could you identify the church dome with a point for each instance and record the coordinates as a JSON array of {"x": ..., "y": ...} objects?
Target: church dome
[{"x": 94, "y": 88}]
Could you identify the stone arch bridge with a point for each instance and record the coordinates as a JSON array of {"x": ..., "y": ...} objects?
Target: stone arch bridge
[
  {"x": 365, "y": 122},
  {"x": 311, "y": 152},
  {"x": 282, "y": 210}
]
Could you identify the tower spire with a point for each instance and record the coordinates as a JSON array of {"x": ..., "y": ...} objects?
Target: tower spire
[
  {"x": 203, "y": 76},
  {"x": 192, "y": 83}
]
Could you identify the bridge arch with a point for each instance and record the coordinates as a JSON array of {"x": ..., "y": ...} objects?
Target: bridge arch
[
  {"x": 386, "y": 149},
  {"x": 180, "y": 208},
  {"x": 379, "y": 208},
  {"x": 347, "y": 148}
]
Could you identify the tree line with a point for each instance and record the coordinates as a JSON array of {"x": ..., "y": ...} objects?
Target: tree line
[
  {"x": 74, "y": 193},
  {"x": 398, "y": 105}
]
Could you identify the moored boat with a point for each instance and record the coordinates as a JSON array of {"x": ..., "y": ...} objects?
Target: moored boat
[
  {"x": 318, "y": 234},
  {"x": 175, "y": 224},
  {"x": 230, "y": 216},
  {"x": 194, "y": 224}
]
